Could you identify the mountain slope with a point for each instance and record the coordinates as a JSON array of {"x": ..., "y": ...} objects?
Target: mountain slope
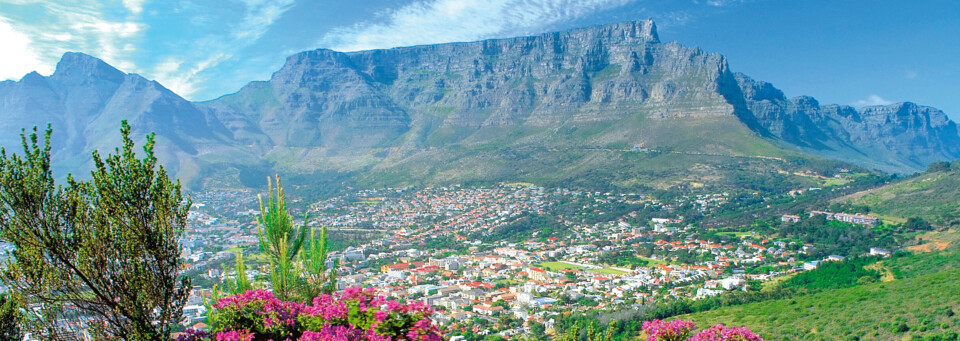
[
  {"x": 902, "y": 137},
  {"x": 413, "y": 109},
  {"x": 84, "y": 101},
  {"x": 931, "y": 195},
  {"x": 607, "y": 105},
  {"x": 899, "y": 309}
]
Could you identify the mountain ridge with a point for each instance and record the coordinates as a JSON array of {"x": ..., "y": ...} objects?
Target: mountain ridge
[{"x": 431, "y": 112}]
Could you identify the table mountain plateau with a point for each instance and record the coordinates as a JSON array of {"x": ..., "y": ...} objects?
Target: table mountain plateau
[{"x": 606, "y": 102}]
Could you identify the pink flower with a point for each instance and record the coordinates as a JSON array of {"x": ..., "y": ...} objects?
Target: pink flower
[
  {"x": 235, "y": 335},
  {"x": 354, "y": 314},
  {"x": 676, "y": 330},
  {"x": 721, "y": 333}
]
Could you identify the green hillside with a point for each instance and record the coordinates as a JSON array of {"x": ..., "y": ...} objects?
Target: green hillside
[
  {"x": 933, "y": 195},
  {"x": 906, "y": 308}
]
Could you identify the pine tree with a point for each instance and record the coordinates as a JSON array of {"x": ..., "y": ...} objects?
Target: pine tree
[
  {"x": 280, "y": 240},
  {"x": 316, "y": 279}
]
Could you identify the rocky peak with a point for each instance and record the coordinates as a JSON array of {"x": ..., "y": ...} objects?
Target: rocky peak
[{"x": 79, "y": 67}]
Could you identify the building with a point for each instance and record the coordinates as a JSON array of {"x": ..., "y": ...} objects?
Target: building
[
  {"x": 848, "y": 218},
  {"x": 538, "y": 274},
  {"x": 790, "y": 218}
]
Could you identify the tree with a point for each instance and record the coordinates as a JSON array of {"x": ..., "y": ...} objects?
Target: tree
[
  {"x": 107, "y": 249},
  {"x": 240, "y": 283},
  {"x": 280, "y": 240},
  {"x": 316, "y": 280}
]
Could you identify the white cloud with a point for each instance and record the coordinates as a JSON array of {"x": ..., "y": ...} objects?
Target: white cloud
[
  {"x": 18, "y": 58},
  {"x": 439, "y": 21},
  {"x": 77, "y": 26},
  {"x": 722, "y": 3},
  {"x": 134, "y": 6},
  {"x": 873, "y": 99},
  {"x": 910, "y": 74}
]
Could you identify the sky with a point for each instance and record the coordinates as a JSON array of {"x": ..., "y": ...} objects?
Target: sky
[{"x": 856, "y": 52}]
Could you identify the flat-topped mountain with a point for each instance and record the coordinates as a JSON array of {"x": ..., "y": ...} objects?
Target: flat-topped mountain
[{"x": 608, "y": 102}]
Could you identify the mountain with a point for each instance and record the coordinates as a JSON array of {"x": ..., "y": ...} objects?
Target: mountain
[
  {"x": 84, "y": 101},
  {"x": 599, "y": 105},
  {"x": 901, "y": 138}
]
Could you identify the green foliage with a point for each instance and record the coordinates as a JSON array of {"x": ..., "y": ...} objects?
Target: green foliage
[
  {"x": 917, "y": 224},
  {"x": 830, "y": 237},
  {"x": 622, "y": 259},
  {"x": 879, "y": 311},
  {"x": 939, "y": 166},
  {"x": 279, "y": 240},
  {"x": 524, "y": 228},
  {"x": 316, "y": 280},
  {"x": 931, "y": 195},
  {"x": 10, "y": 319},
  {"x": 107, "y": 247},
  {"x": 240, "y": 282},
  {"x": 906, "y": 265},
  {"x": 834, "y": 275}
]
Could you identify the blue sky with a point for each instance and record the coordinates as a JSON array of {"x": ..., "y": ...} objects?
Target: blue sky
[{"x": 848, "y": 52}]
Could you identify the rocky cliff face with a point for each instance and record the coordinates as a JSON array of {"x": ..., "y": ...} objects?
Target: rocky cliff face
[
  {"x": 556, "y": 103},
  {"x": 585, "y": 88},
  {"x": 901, "y": 137},
  {"x": 589, "y": 87}
]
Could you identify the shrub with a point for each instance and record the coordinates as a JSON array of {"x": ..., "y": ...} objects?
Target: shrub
[
  {"x": 355, "y": 314},
  {"x": 680, "y": 330}
]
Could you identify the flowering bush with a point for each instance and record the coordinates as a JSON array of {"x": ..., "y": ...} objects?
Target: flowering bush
[
  {"x": 354, "y": 314},
  {"x": 680, "y": 330},
  {"x": 676, "y": 330},
  {"x": 721, "y": 333},
  {"x": 193, "y": 335}
]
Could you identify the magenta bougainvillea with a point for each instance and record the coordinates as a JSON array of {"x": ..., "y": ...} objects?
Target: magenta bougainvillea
[
  {"x": 680, "y": 330},
  {"x": 354, "y": 314}
]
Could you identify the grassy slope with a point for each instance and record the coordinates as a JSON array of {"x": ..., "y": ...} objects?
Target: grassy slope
[
  {"x": 921, "y": 299},
  {"x": 932, "y": 196},
  {"x": 869, "y": 311}
]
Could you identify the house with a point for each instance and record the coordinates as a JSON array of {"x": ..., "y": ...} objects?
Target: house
[
  {"x": 473, "y": 294},
  {"x": 835, "y": 258},
  {"x": 811, "y": 265},
  {"x": 487, "y": 310},
  {"x": 790, "y": 218},
  {"x": 876, "y": 251}
]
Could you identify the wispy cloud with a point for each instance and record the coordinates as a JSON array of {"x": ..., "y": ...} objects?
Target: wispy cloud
[
  {"x": 119, "y": 33},
  {"x": 260, "y": 15},
  {"x": 438, "y": 21},
  {"x": 872, "y": 99},
  {"x": 910, "y": 74},
  {"x": 181, "y": 77},
  {"x": 18, "y": 57},
  {"x": 53, "y": 28},
  {"x": 185, "y": 74}
]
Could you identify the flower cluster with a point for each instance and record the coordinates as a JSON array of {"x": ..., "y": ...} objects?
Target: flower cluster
[
  {"x": 680, "y": 330},
  {"x": 355, "y": 314},
  {"x": 193, "y": 335},
  {"x": 721, "y": 333},
  {"x": 676, "y": 330}
]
